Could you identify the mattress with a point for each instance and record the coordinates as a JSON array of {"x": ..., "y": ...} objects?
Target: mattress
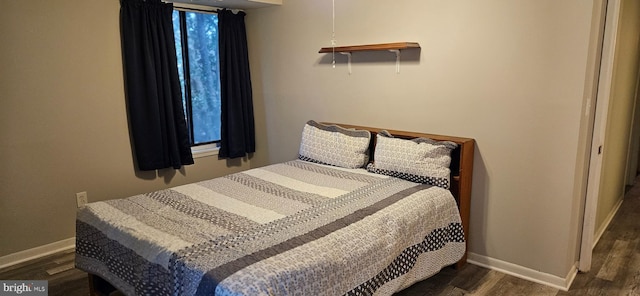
[{"x": 293, "y": 228}]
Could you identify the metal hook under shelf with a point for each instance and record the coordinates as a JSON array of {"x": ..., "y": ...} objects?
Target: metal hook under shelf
[
  {"x": 348, "y": 54},
  {"x": 397, "y": 52}
]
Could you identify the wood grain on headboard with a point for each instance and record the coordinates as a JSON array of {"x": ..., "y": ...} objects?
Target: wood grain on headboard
[{"x": 461, "y": 169}]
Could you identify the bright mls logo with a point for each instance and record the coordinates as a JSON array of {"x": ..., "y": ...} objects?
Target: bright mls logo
[{"x": 24, "y": 288}]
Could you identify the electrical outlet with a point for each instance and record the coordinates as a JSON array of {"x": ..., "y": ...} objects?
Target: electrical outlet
[{"x": 81, "y": 198}]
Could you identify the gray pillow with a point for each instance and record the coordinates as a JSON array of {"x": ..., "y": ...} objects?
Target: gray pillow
[
  {"x": 419, "y": 160},
  {"x": 334, "y": 145}
]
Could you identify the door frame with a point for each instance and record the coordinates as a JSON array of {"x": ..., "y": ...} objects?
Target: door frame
[{"x": 604, "y": 83}]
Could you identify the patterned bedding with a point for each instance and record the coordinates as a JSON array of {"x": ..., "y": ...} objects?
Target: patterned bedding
[{"x": 295, "y": 228}]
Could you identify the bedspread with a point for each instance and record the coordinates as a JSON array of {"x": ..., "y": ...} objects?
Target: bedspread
[{"x": 294, "y": 228}]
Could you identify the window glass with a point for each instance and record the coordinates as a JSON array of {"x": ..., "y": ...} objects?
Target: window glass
[{"x": 198, "y": 67}]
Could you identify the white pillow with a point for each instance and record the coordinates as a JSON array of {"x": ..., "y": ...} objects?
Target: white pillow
[
  {"x": 419, "y": 160},
  {"x": 334, "y": 145}
]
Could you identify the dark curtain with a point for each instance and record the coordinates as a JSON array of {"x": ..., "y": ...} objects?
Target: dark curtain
[
  {"x": 237, "y": 126},
  {"x": 156, "y": 117}
]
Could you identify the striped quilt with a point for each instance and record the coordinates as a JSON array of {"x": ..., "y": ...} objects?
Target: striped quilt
[{"x": 294, "y": 228}]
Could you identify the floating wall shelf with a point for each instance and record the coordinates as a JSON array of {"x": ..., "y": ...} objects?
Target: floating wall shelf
[
  {"x": 370, "y": 47},
  {"x": 392, "y": 47}
]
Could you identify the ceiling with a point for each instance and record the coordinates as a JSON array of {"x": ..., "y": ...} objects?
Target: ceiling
[{"x": 235, "y": 4}]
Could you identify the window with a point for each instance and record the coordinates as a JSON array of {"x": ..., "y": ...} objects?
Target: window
[{"x": 196, "y": 36}]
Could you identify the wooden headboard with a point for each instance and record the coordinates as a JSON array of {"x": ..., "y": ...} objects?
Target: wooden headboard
[{"x": 461, "y": 168}]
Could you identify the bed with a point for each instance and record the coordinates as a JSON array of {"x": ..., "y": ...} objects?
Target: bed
[{"x": 322, "y": 224}]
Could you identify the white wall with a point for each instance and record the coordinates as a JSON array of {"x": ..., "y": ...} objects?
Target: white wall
[
  {"x": 63, "y": 121},
  {"x": 510, "y": 74}
]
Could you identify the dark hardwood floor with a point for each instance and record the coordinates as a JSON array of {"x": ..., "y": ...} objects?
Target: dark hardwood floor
[
  {"x": 58, "y": 269},
  {"x": 615, "y": 269}
]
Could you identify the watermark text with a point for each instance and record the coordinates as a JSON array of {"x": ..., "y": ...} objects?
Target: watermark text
[{"x": 24, "y": 288}]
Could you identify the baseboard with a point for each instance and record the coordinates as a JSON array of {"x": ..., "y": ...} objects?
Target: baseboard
[
  {"x": 606, "y": 223},
  {"x": 37, "y": 252},
  {"x": 524, "y": 272}
]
